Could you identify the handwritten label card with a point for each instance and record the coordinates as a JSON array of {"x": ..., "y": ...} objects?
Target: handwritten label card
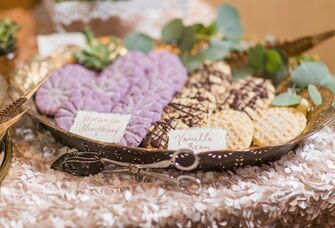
[
  {"x": 47, "y": 44},
  {"x": 197, "y": 139},
  {"x": 105, "y": 127}
]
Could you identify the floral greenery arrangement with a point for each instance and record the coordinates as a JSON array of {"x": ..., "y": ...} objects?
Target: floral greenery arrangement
[
  {"x": 8, "y": 30},
  {"x": 222, "y": 37},
  {"x": 198, "y": 43},
  {"x": 218, "y": 38}
]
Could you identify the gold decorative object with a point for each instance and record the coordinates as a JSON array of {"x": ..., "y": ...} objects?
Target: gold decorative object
[
  {"x": 95, "y": 157},
  {"x": 5, "y": 155},
  {"x": 24, "y": 82},
  {"x": 7, "y": 65}
]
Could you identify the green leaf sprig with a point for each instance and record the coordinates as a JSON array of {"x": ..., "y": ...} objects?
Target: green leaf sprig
[
  {"x": 139, "y": 42},
  {"x": 221, "y": 36},
  {"x": 96, "y": 55},
  {"x": 8, "y": 30},
  {"x": 315, "y": 94},
  {"x": 268, "y": 63},
  {"x": 308, "y": 74},
  {"x": 287, "y": 99}
]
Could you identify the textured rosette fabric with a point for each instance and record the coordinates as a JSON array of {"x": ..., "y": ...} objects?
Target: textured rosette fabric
[{"x": 296, "y": 191}]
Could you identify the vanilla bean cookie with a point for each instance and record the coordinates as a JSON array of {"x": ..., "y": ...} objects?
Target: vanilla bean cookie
[
  {"x": 278, "y": 125},
  {"x": 182, "y": 113},
  {"x": 191, "y": 106},
  {"x": 63, "y": 84},
  {"x": 249, "y": 95},
  {"x": 208, "y": 84},
  {"x": 238, "y": 125}
]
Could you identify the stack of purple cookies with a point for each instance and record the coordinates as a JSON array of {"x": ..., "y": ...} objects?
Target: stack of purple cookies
[{"x": 137, "y": 84}]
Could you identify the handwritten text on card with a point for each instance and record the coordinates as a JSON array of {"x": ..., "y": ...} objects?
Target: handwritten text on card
[
  {"x": 197, "y": 139},
  {"x": 105, "y": 127}
]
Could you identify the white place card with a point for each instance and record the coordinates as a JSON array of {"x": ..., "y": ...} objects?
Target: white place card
[
  {"x": 198, "y": 139},
  {"x": 105, "y": 127},
  {"x": 47, "y": 44}
]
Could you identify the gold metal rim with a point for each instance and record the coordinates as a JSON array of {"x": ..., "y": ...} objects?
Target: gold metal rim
[
  {"x": 6, "y": 145},
  {"x": 316, "y": 126}
]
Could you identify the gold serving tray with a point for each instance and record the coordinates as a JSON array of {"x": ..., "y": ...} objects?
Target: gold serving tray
[
  {"x": 94, "y": 157},
  {"x": 5, "y": 155}
]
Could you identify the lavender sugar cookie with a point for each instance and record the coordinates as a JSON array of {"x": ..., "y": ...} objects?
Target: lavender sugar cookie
[
  {"x": 63, "y": 84},
  {"x": 146, "y": 101},
  {"x": 68, "y": 111},
  {"x": 133, "y": 66},
  {"x": 117, "y": 79}
]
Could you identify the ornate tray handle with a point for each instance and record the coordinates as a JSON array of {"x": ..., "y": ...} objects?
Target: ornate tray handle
[{"x": 90, "y": 163}]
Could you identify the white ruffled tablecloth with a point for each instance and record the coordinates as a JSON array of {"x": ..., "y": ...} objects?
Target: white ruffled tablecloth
[
  {"x": 146, "y": 16},
  {"x": 298, "y": 190}
]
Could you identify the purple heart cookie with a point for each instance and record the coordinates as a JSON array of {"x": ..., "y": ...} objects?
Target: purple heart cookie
[
  {"x": 63, "y": 84},
  {"x": 136, "y": 57},
  {"x": 113, "y": 88},
  {"x": 170, "y": 65},
  {"x": 68, "y": 111},
  {"x": 116, "y": 80},
  {"x": 134, "y": 65},
  {"x": 145, "y": 101}
]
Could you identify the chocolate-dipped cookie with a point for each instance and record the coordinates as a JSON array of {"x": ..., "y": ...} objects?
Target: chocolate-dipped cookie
[
  {"x": 249, "y": 95},
  {"x": 181, "y": 113},
  {"x": 145, "y": 101},
  {"x": 191, "y": 106}
]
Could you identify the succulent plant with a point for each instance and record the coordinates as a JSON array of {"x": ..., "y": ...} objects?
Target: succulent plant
[
  {"x": 96, "y": 55},
  {"x": 8, "y": 29}
]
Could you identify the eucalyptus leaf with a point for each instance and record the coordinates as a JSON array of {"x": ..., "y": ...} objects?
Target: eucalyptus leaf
[
  {"x": 329, "y": 83},
  {"x": 229, "y": 44},
  {"x": 315, "y": 94},
  {"x": 193, "y": 62},
  {"x": 277, "y": 78},
  {"x": 273, "y": 62},
  {"x": 172, "y": 31},
  {"x": 228, "y": 22},
  {"x": 187, "y": 39},
  {"x": 216, "y": 51},
  {"x": 310, "y": 73},
  {"x": 139, "y": 42},
  {"x": 242, "y": 72},
  {"x": 256, "y": 57},
  {"x": 286, "y": 99}
]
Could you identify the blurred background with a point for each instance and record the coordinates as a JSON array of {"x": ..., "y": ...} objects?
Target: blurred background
[{"x": 281, "y": 18}]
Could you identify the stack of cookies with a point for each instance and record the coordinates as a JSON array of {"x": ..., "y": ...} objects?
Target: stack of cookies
[
  {"x": 136, "y": 84},
  {"x": 155, "y": 90},
  {"x": 192, "y": 105},
  {"x": 211, "y": 99}
]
